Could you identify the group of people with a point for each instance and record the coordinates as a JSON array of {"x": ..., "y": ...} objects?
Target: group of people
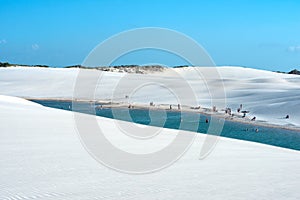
[
  {"x": 239, "y": 110},
  {"x": 178, "y": 107},
  {"x": 214, "y": 109}
]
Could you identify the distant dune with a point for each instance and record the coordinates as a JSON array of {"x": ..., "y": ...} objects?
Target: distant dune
[
  {"x": 269, "y": 96},
  {"x": 144, "y": 69}
]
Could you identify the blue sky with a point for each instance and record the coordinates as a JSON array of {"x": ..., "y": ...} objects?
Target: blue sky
[{"x": 257, "y": 34}]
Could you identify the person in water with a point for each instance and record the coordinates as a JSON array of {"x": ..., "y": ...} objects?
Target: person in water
[{"x": 206, "y": 121}]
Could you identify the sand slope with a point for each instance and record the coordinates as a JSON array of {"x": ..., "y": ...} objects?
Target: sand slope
[{"x": 42, "y": 158}]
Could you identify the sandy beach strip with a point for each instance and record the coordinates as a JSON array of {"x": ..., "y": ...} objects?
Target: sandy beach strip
[{"x": 237, "y": 117}]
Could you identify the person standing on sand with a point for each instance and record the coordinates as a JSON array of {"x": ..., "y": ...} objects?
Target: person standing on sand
[
  {"x": 178, "y": 106},
  {"x": 214, "y": 109},
  {"x": 240, "y": 108},
  {"x": 287, "y": 117},
  {"x": 244, "y": 115},
  {"x": 170, "y": 107}
]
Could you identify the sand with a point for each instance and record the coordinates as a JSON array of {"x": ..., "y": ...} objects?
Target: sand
[{"x": 42, "y": 158}]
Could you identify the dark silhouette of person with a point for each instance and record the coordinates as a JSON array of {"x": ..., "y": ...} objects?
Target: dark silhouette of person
[{"x": 287, "y": 117}]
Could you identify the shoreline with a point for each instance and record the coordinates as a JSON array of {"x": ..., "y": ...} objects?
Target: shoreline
[{"x": 184, "y": 108}]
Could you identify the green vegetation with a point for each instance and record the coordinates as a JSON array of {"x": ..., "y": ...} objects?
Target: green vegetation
[
  {"x": 181, "y": 66},
  {"x": 295, "y": 71},
  {"x": 123, "y": 68},
  {"x": 5, "y": 64}
]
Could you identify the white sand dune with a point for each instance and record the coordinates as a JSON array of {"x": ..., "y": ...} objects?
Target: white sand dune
[
  {"x": 42, "y": 158},
  {"x": 267, "y": 95}
]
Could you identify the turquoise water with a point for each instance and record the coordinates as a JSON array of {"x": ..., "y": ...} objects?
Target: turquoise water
[{"x": 266, "y": 135}]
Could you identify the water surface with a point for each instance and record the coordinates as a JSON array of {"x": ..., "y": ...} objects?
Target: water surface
[{"x": 266, "y": 135}]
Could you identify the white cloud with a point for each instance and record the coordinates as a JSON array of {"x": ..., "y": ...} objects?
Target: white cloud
[
  {"x": 294, "y": 48},
  {"x": 35, "y": 47},
  {"x": 3, "y": 41}
]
